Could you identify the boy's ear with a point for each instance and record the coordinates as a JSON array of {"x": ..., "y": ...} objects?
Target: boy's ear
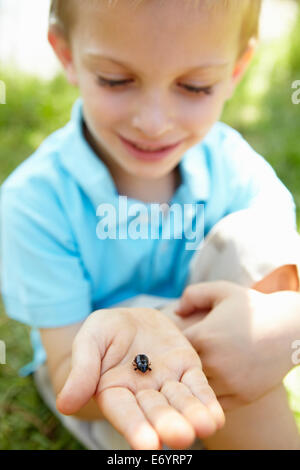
[
  {"x": 63, "y": 52},
  {"x": 241, "y": 65}
]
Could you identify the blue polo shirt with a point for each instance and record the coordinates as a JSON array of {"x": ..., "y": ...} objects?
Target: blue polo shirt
[{"x": 56, "y": 269}]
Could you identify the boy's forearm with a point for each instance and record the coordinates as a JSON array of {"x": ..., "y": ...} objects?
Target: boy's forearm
[{"x": 90, "y": 412}]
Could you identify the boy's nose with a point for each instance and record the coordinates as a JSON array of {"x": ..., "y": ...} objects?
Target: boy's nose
[{"x": 153, "y": 119}]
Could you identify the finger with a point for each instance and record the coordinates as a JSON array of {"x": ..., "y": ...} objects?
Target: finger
[
  {"x": 174, "y": 430},
  {"x": 204, "y": 296},
  {"x": 84, "y": 376},
  {"x": 196, "y": 381},
  {"x": 179, "y": 396},
  {"x": 121, "y": 409}
]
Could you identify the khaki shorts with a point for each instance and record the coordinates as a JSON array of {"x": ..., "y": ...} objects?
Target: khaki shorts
[{"x": 235, "y": 250}]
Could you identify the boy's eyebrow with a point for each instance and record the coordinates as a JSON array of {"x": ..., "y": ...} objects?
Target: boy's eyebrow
[{"x": 94, "y": 56}]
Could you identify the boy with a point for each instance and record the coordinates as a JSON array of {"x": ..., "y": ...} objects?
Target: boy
[{"x": 153, "y": 75}]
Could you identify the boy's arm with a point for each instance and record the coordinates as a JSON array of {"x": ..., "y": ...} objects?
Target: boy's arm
[{"x": 258, "y": 329}]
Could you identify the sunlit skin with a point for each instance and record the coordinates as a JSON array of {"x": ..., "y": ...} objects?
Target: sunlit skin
[{"x": 160, "y": 49}]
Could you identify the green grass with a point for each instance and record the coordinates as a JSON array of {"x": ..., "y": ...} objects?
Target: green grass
[
  {"x": 261, "y": 109},
  {"x": 34, "y": 109},
  {"x": 25, "y": 421}
]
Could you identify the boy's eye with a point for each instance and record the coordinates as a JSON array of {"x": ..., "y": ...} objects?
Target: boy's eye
[
  {"x": 112, "y": 83},
  {"x": 115, "y": 83},
  {"x": 193, "y": 89}
]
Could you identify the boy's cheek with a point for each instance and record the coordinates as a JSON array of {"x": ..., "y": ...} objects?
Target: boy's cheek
[{"x": 283, "y": 278}]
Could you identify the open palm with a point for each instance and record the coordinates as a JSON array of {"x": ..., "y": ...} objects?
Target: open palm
[{"x": 172, "y": 403}]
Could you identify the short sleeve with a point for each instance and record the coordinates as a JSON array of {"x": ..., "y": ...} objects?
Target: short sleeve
[{"x": 43, "y": 281}]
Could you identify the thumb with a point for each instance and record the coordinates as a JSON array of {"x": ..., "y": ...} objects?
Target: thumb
[
  {"x": 84, "y": 376},
  {"x": 204, "y": 296}
]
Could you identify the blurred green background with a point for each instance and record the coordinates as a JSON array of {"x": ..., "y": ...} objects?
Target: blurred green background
[{"x": 261, "y": 110}]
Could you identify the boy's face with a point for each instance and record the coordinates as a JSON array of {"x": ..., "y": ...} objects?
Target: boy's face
[{"x": 159, "y": 50}]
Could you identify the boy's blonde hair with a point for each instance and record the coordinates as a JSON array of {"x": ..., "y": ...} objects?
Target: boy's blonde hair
[{"x": 62, "y": 14}]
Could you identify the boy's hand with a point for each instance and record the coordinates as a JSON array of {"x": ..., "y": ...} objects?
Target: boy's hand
[
  {"x": 244, "y": 341},
  {"x": 170, "y": 404}
]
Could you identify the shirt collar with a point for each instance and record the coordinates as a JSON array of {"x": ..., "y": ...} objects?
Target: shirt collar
[{"x": 95, "y": 179}]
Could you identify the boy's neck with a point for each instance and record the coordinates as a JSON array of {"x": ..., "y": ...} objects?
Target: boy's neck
[{"x": 145, "y": 190}]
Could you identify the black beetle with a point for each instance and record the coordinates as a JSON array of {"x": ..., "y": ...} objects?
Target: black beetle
[{"x": 142, "y": 363}]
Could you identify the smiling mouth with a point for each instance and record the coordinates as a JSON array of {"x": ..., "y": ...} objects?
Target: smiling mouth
[
  {"x": 148, "y": 149},
  {"x": 149, "y": 155}
]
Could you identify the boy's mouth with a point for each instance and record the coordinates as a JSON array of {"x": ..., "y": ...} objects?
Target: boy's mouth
[{"x": 145, "y": 152}]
